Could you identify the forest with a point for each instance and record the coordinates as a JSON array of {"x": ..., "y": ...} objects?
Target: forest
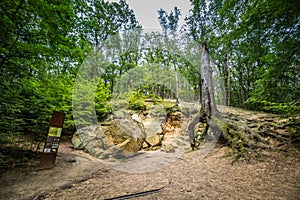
[{"x": 254, "y": 44}]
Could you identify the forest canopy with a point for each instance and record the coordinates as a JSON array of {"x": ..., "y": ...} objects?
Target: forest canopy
[{"x": 254, "y": 44}]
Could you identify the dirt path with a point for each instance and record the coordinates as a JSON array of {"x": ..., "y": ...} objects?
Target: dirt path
[
  {"x": 80, "y": 176},
  {"x": 31, "y": 183}
]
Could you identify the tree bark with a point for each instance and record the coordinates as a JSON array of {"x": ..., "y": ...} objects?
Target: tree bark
[
  {"x": 208, "y": 103},
  {"x": 208, "y": 106},
  {"x": 228, "y": 80}
]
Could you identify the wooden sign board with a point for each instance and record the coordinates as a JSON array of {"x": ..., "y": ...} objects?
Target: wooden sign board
[{"x": 52, "y": 141}]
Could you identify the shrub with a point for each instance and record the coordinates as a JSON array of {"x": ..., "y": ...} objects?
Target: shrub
[
  {"x": 272, "y": 107},
  {"x": 137, "y": 101}
]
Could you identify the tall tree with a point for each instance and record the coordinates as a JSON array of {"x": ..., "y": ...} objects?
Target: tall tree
[
  {"x": 42, "y": 46},
  {"x": 254, "y": 34},
  {"x": 209, "y": 111},
  {"x": 198, "y": 21},
  {"x": 169, "y": 22}
]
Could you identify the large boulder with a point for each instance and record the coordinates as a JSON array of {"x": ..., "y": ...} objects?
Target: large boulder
[
  {"x": 89, "y": 135},
  {"x": 153, "y": 130},
  {"x": 117, "y": 138},
  {"x": 133, "y": 132},
  {"x": 93, "y": 140}
]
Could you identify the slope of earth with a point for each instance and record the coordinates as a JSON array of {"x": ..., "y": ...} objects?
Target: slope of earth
[{"x": 77, "y": 175}]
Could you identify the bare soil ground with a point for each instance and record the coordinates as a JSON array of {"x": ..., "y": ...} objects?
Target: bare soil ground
[{"x": 77, "y": 175}]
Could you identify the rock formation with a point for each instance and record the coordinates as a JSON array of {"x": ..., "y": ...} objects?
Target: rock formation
[{"x": 126, "y": 133}]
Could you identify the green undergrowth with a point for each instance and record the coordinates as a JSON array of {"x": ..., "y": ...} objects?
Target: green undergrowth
[{"x": 291, "y": 108}]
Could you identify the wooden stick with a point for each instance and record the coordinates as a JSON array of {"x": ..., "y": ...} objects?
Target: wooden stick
[{"x": 128, "y": 196}]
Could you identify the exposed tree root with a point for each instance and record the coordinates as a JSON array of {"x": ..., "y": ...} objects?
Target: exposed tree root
[{"x": 246, "y": 137}]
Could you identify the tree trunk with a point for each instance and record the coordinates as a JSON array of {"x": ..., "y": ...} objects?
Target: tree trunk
[
  {"x": 208, "y": 106},
  {"x": 208, "y": 103},
  {"x": 200, "y": 89},
  {"x": 228, "y": 80}
]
